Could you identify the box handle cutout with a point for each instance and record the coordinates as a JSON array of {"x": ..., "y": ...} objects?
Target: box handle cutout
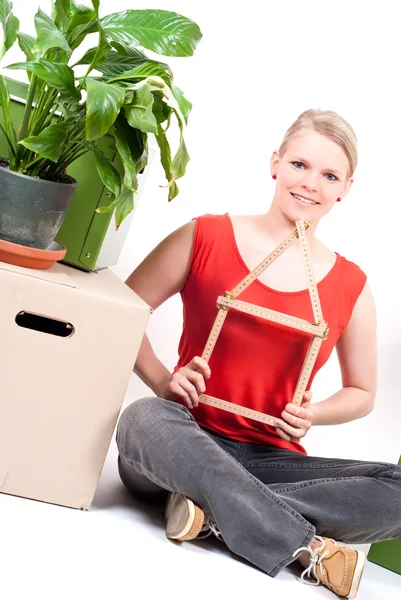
[{"x": 44, "y": 324}]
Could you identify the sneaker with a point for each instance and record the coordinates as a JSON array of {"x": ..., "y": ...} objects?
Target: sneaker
[
  {"x": 334, "y": 565},
  {"x": 186, "y": 521}
]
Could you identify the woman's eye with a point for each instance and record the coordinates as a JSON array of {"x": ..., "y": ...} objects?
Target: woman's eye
[
  {"x": 296, "y": 163},
  {"x": 331, "y": 175}
]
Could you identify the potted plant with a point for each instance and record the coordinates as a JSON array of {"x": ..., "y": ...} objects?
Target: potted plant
[{"x": 121, "y": 97}]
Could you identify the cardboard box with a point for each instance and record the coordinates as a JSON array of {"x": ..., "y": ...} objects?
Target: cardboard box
[
  {"x": 387, "y": 554},
  {"x": 69, "y": 341}
]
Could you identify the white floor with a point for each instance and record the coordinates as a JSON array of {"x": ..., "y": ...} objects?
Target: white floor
[{"x": 118, "y": 550}]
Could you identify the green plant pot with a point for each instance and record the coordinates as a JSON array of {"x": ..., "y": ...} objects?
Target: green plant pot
[
  {"x": 32, "y": 209},
  {"x": 387, "y": 554}
]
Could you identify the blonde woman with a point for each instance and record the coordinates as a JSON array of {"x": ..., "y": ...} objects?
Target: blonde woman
[{"x": 251, "y": 484}]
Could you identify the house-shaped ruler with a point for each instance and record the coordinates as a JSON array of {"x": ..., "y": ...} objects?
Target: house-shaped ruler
[{"x": 318, "y": 329}]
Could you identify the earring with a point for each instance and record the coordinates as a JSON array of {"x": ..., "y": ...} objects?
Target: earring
[
  {"x": 274, "y": 176},
  {"x": 338, "y": 199}
]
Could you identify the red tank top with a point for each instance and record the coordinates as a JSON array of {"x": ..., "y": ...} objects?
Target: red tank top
[{"x": 255, "y": 363}]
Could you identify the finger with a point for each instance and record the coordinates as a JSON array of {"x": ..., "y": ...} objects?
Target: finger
[
  {"x": 177, "y": 390},
  {"x": 295, "y": 421},
  {"x": 283, "y": 435},
  {"x": 197, "y": 380},
  {"x": 303, "y": 412},
  {"x": 200, "y": 365},
  {"x": 292, "y": 431},
  {"x": 189, "y": 388},
  {"x": 308, "y": 395}
]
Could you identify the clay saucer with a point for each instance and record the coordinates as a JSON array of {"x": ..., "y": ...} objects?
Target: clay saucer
[{"x": 32, "y": 258}]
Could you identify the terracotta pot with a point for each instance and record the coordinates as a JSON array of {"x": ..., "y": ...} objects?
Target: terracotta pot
[{"x": 32, "y": 258}]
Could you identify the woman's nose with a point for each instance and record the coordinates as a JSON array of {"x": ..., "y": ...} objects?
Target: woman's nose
[{"x": 309, "y": 181}]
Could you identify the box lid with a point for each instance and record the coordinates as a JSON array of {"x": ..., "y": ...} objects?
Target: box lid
[{"x": 101, "y": 283}]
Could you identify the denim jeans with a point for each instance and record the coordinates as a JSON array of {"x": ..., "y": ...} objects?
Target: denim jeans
[{"x": 266, "y": 502}]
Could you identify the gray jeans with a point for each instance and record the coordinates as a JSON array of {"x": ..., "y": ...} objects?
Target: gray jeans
[{"x": 266, "y": 502}]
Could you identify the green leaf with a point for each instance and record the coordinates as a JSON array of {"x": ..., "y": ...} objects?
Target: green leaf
[
  {"x": 114, "y": 64},
  {"x": 87, "y": 57},
  {"x": 61, "y": 9},
  {"x": 165, "y": 159},
  {"x": 9, "y": 130},
  {"x": 136, "y": 140},
  {"x": 48, "y": 36},
  {"x": 124, "y": 150},
  {"x": 5, "y": 101},
  {"x": 161, "y": 110},
  {"x": 124, "y": 50},
  {"x": 9, "y": 26},
  {"x": 5, "y": 105},
  {"x": 106, "y": 209},
  {"x": 81, "y": 16},
  {"x": 180, "y": 161},
  {"x": 124, "y": 205},
  {"x": 100, "y": 52},
  {"x": 57, "y": 75},
  {"x": 11, "y": 160},
  {"x": 147, "y": 69},
  {"x": 26, "y": 43},
  {"x": 161, "y": 31},
  {"x": 103, "y": 46},
  {"x": 49, "y": 143},
  {"x": 12, "y": 28},
  {"x": 103, "y": 105},
  {"x": 78, "y": 8},
  {"x": 107, "y": 171},
  {"x": 82, "y": 22},
  {"x": 184, "y": 104},
  {"x": 138, "y": 57},
  {"x": 139, "y": 113}
]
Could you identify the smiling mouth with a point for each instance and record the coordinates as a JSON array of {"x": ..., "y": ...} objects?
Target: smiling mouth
[{"x": 304, "y": 200}]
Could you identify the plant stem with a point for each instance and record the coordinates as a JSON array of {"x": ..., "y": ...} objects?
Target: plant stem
[
  {"x": 68, "y": 161},
  {"x": 46, "y": 117},
  {"x": 34, "y": 162},
  {"x": 41, "y": 164},
  {"x": 39, "y": 104},
  {"x": 27, "y": 113},
  {"x": 10, "y": 145}
]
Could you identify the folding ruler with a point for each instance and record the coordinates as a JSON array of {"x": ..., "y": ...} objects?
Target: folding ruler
[{"x": 318, "y": 329}]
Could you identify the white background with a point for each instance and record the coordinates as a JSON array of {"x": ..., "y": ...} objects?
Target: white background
[{"x": 258, "y": 66}]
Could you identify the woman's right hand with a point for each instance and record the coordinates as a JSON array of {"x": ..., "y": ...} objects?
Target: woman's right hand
[{"x": 187, "y": 383}]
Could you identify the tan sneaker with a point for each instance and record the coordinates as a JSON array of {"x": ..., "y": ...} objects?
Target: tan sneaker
[
  {"x": 334, "y": 565},
  {"x": 185, "y": 520}
]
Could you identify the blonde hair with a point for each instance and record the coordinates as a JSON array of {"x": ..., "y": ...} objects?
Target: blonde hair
[{"x": 330, "y": 124}]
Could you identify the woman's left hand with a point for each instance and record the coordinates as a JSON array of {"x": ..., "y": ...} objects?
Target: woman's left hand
[{"x": 297, "y": 420}]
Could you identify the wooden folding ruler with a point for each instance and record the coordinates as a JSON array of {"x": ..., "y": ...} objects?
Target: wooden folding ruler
[{"x": 318, "y": 329}]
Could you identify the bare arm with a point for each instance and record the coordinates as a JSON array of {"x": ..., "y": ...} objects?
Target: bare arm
[
  {"x": 159, "y": 276},
  {"x": 357, "y": 355},
  {"x": 164, "y": 271},
  {"x": 162, "y": 274}
]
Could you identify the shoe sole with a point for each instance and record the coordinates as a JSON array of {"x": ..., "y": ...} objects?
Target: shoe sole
[
  {"x": 360, "y": 563},
  {"x": 184, "y": 520}
]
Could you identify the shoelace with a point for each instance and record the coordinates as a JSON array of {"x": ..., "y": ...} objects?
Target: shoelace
[
  {"x": 208, "y": 528},
  {"x": 315, "y": 561}
]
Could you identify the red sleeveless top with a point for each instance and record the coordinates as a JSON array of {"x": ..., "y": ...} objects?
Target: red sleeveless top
[{"x": 255, "y": 363}]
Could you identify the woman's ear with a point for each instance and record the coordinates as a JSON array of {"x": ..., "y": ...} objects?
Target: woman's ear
[
  {"x": 274, "y": 162},
  {"x": 348, "y": 185}
]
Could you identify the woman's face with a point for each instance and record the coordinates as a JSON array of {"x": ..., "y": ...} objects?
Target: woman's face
[{"x": 311, "y": 175}]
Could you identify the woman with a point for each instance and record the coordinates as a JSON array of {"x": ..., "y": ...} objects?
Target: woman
[{"x": 249, "y": 483}]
